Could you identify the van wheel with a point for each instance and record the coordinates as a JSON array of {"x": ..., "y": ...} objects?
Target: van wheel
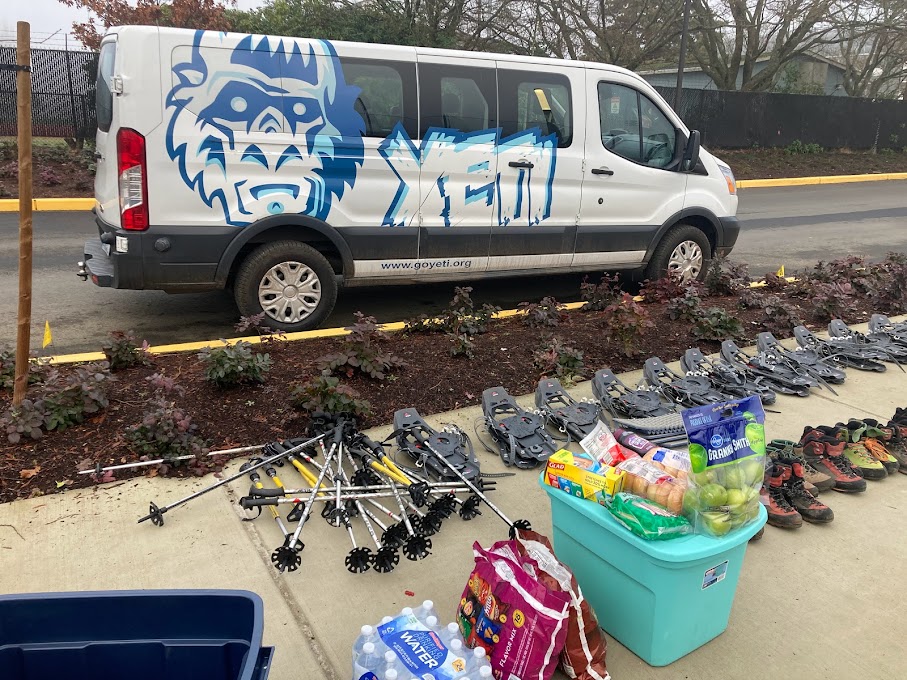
[
  {"x": 685, "y": 250},
  {"x": 291, "y": 282}
]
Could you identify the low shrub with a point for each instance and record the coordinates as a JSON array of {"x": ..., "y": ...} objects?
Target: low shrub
[
  {"x": 256, "y": 323},
  {"x": 325, "y": 393},
  {"x": 360, "y": 352},
  {"x": 462, "y": 317},
  {"x": 122, "y": 351},
  {"x": 716, "y": 324},
  {"x": 626, "y": 322},
  {"x": 68, "y": 398},
  {"x": 462, "y": 345},
  {"x": 723, "y": 277},
  {"x": 797, "y": 148},
  {"x": 832, "y": 301},
  {"x": 556, "y": 358},
  {"x": 774, "y": 283},
  {"x": 750, "y": 298},
  {"x": 234, "y": 364},
  {"x": 665, "y": 289},
  {"x": 547, "y": 312},
  {"x": 25, "y": 421},
  {"x": 779, "y": 317},
  {"x": 687, "y": 307},
  {"x": 599, "y": 295}
]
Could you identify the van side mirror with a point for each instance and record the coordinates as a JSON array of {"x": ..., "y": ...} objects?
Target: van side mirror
[{"x": 691, "y": 152}]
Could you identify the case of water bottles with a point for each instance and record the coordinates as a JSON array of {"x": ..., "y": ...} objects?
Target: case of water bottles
[{"x": 414, "y": 646}]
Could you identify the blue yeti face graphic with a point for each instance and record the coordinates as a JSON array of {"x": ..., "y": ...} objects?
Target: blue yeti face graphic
[
  {"x": 525, "y": 199},
  {"x": 265, "y": 127}
]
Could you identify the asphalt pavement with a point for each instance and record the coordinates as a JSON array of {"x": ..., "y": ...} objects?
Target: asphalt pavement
[{"x": 794, "y": 226}]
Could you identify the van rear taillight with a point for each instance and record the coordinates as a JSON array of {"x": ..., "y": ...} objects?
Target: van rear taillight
[{"x": 133, "y": 180}]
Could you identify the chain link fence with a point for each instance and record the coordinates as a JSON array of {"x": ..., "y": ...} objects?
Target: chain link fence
[
  {"x": 736, "y": 120},
  {"x": 63, "y": 86}
]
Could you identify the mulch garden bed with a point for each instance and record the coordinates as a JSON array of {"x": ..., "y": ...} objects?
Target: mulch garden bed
[
  {"x": 432, "y": 381},
  {"x": 772, "y": 163}
]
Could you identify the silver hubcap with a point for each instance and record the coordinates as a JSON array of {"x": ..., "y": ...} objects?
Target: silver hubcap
[
  {"x": 686, "y": 260},
  {"x": 289, "y": 292}
]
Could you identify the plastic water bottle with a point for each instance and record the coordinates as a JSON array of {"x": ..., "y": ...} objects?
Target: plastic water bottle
[
  {"x": 391, "y": 662},
  {"x": 425, "y": 610},
  {"x": 456, "y": 646},
  {"x": 451, "y": 632},
  {"x": 386, "y": 619},
  {"x": 391, "y": 674},
  {"x": 366, "y": 634},
  {"x": 406, "y": 611},
  {"x": 368, "y": 661},
  {"x": 476, "y": 661},
  {"x": 431, "y": 622},
  {"x": 485, "y": 671}
]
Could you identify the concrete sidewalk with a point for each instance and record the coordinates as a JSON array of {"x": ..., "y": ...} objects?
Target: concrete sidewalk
[{"x": 819, "y": 602}]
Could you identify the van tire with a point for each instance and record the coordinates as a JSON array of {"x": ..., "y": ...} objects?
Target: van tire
[
  {"x": 275, "y": 261},
  {"x": 684, "y": 239}
]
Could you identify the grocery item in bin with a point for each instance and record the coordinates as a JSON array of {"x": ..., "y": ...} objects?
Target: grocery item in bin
[
  {"x": 646, "y": 519},
  {"x": 647, "y": 480},
  {"x": 580, "y": 475},
  {"x": 512, "y": 614},
  {"x": 727, "y": 463},
  {"x": 603, "y": 447},
  {"x": 584, "y": 652},
  {"x": 676, "y": 463}
]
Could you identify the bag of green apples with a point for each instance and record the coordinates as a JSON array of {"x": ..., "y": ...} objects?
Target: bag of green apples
[{"x": 727, "y": 464}]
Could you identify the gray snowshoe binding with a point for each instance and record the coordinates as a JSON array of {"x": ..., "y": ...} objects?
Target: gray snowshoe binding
[
  {"x": 415, "y": 436},
  {"x": 772, "y": 369},
  {"x": 576, "y": 418},
  {"x": 520, "y": 435},
  {"x": 879, "y": 325},
  {"x": 808, "y": 360},
  {"x": 622, "y": 402},
  {"x": 840, "y": 331},
  {"x": 686, "y": 390},
  {"x": 842, "y": 351},
  {"x": 728, "y": 378}
]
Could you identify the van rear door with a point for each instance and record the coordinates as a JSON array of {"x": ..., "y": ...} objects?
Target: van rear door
[{"x": 105, "y": 181}]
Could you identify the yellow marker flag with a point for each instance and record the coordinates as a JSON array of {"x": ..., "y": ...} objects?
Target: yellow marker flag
[
  {"x": 48, "y": 337},
  {"x": 780, "y": 272}
]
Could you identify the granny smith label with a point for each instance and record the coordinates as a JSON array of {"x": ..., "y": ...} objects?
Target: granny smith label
[{"x": 724, "y": 433}]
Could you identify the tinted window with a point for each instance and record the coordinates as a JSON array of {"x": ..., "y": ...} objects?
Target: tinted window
[
  {"x": 103, "y": 95},
  {"x": 648, "y": 138},
  {"x": 387, "y": 97},
  {"x": 458, "y": 98},
  {"x": 535, "y": 101}
]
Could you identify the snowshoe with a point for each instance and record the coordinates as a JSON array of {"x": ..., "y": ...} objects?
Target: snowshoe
[
  {"x": 622, "y": 402},
  {"x": 727, "y": 377},
  {"x": 520, "y": 435},
  {"x": 576, "y": 418},
  {"x": 807, "y": 359},
  {"x": 879, "y": 324},
  {"x": 779, "y": 375},
  {"x": 688, "y": 390},
  {"x": 413, "y": 434},
  {"x": 838, "y": 330},
  {"x": 842, "y": 351},
  {"x": 664, "y": 430}
]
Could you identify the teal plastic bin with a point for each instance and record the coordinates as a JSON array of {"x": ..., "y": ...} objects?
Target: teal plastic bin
[{"x": 660, "y": 599}]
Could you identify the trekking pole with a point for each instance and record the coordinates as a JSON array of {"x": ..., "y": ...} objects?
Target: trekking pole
[
  {"x": 256, "y": 480},
  {"x": 156, "y": 514},
  {"x": 520, "y": 524},
  {"x": 97, "y": 470},
  {"x": 416, "y": 546},
  {"x": 286, "y": 557}
]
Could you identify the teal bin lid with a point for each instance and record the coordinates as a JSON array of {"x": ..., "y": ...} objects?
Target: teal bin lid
[{"x": 685, "y": 549}]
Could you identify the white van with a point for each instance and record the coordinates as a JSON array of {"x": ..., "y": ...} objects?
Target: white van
[{"x": 284, "y": 168}]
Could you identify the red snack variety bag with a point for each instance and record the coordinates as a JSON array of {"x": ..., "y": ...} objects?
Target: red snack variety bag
[
  {"x": 585, "y": 648},
  {"x": 508, "y": 610}
]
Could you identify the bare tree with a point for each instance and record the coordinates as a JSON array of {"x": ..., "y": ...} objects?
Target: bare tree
[{"x": 755, "y": 39}]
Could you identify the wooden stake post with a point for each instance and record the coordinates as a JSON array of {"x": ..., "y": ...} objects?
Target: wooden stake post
[{"x": 23, "y": 107}]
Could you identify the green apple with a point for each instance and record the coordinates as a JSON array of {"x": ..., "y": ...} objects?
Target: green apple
[
  {"x": 715, "y": 523},
  {"x": 712, "y": 495},
  {"x": 735, "y": 477},
  {"x": 755, "y": 435},
  {"x": 753, "y": 469},
  {"x": 690, "y": 503},
  {"x": 736, "y": 500},
  {"x": 699, "y": 457}
]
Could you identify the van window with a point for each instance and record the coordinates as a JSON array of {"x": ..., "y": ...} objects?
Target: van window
[
  {"x": 535, "y": 101},
  {"x": 103, "y": 94},
  {"x": 387, "y": 96},
  {"x": 632, "y": 126},
  {"x": 457, "y": 98}
]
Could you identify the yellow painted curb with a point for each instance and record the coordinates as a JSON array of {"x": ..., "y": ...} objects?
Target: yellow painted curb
[
  {"x": 826, "y": 179},
  {"x": 49, "y": 204}
]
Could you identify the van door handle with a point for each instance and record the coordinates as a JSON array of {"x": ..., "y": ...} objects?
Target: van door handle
[
  {"x": 602, "y": 171},
  {"x": 521, "y": 164}
]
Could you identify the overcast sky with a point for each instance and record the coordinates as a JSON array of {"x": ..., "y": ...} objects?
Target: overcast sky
[{"x": 47, "y": 17}]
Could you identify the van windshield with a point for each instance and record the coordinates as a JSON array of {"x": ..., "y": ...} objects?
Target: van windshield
[{"x": 104, "y": 96}]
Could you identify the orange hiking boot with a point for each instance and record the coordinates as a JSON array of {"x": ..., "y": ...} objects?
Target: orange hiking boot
[
  {"x": 809, "y": 507},
  {"x": 826, "y": 453},
  {"x": 780, "y": 512}
]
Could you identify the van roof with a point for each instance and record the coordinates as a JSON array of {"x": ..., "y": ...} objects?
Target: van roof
[{"x": 428, "y": 51}]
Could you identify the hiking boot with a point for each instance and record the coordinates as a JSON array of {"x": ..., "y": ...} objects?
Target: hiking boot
[
  {"x": 802, "y": 500},
  {"x": 789, "y": 451},
  {"x": 900, "y": 416},
  {"x": 826, "y": 454},
  {"x": 898, "y": 447},
  {"x": 780, "y": 512},
  {"x": 868, "y": 463},
  {"x": 758, "y": 535}
]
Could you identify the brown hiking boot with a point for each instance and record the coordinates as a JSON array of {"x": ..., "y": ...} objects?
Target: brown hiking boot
[
  {"x": 787, "y": 451},
  {"x": 898, "y": 444},
  {"x": 802, "y": 500},
  {"x": 780, "y": 512},
  {"x": 826, "y": 453}
]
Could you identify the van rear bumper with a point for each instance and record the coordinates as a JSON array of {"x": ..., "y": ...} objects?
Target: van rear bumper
[{"x": 172, "y": 259}]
